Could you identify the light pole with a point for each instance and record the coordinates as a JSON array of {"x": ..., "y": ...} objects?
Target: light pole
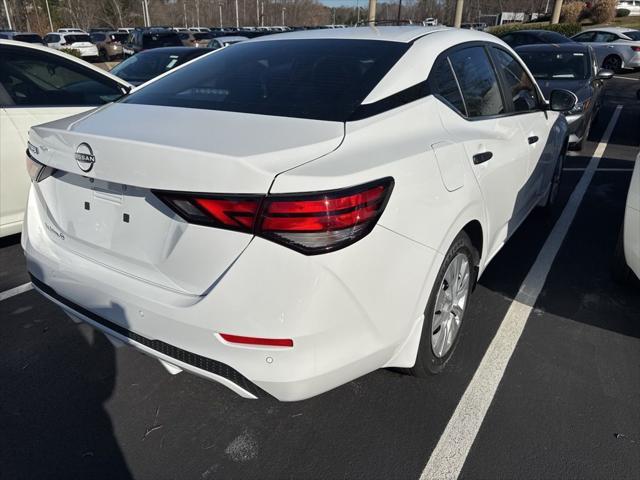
[
  {"x": 198, "y": 13},
  {"x": 49, "y": 14},
  {"x": 220, "y": 7},
  {"x": 184, "y": 10},
  {"x": 457, "y": 21},
  {"x": 237, "y": 17},
  {"x": 372, "y": 12},
  {"x": 262, "y": 14},
  {"x": 358, "y": 13},
  {"x": 557, "y": 8},
  {"x": 6, "y": 11},
  {"x": 283, "y": 10}
]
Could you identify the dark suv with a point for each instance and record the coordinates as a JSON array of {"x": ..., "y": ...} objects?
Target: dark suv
[{"x": 148, "y": 38}]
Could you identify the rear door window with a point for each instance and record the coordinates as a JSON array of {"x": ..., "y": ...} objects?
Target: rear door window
[
  {"x": 478, "y": 82},
  {"x": 154, "y": 40},
  {"x": 585, "y": 37},
  {"x": 444, "y": 85}
]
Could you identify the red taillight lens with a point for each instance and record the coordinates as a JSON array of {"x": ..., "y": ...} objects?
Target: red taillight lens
[
  {"x": 230, "y": 212},
  {"x": 635, "y": 49},
  {"x": 36, "y": 170},
  {"x": 309, "y": 223}
]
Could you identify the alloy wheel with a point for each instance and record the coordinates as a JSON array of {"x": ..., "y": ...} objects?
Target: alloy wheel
[{"x": 450, "y": 305}]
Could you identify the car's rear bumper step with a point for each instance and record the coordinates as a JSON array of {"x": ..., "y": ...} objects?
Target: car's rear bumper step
[{"x": 198, "y": 361}]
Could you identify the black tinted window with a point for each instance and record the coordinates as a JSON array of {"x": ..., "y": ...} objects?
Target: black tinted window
[
  {"x": 146, "y": 65},
  {"x": 444, "y": 84},
  {"x": 585, "y": 37},
  {"x": 320, "y": 79},
  {"x": 77, "y": 38},
  {"x": 519, "y": 85},
  {"x": 34, "y": 78},
  {"x": 550, "y": 64},
  {"x": 98, "y": 37},
  {"x": 478, "y": 82},
  {"x": 202, "y": 36},
  {"x": 30, "y": 38},
  {"x": 154, "y": 40}
]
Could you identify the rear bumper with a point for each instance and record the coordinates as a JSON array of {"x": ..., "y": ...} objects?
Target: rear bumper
[{"x": 347, "y": 314}]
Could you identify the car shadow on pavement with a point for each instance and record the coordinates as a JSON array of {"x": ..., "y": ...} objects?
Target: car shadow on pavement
[{"x": 52, "y": 415}]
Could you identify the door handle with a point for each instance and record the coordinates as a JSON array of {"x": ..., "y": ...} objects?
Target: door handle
[
  {"x": 482, "y": 157},
  {"x": 532, "y": 140}
]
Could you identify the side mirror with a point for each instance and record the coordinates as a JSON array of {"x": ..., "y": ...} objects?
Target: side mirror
[
  {"x": 604, "y": 74},
  {"x": 562, "y": 100}
]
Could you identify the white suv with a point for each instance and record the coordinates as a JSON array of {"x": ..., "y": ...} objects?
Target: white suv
[
  {"x": 75, "y": 41},
  {"x": 333, "y": 220}
]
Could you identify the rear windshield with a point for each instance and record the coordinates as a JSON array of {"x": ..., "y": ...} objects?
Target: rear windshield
[
  {"x": 28, "y": 38},
  {"x": 318, "y": 79},
  {"x": 552, "y": 65},
  {"x": 119, "y": 37},
  {"x": 202, "y": 36},
  {"x": 153, "y": 40},
  {"x": 77, "y": 38},
  {"x": 145, "y": 66}
]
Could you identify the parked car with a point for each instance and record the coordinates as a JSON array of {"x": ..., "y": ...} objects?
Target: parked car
[
  {"x": 221, "y": 42},
  {"x": 73, "y": 41},
  {"x": 27, "y": 37},
  {"x": 617, "y": 48},
  {"x": 146, "y": 65},
  {"x": 194, "y": 39},
  {"x": 148, "y": 38},
  {"x": 38, "y": 85},
  {"x": 570, "y": 66},
  {"x": 627, "y": 254},
  {"x": 533, "y": 37},
  {"x": 199, "y": 29},
  {"x": 632, "y": 5},
  {"x": 126, "y": 30},
  {"x": 249, "y": 194},
  {"x": 109, "y": 44}
]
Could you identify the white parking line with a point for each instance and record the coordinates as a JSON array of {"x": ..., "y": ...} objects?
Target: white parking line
[
  {"x": 12, "y": 292},
  {"x": 448, "y": 458}
]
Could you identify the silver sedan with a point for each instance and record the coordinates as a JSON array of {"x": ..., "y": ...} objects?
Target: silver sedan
[{"x": 616, "y": 48}]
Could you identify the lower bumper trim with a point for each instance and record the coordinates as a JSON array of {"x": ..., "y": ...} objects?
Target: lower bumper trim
[{"x": 193, "y": 359}]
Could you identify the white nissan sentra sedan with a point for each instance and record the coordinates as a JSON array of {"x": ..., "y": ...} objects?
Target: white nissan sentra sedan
[{"x": 294, "y": 212}]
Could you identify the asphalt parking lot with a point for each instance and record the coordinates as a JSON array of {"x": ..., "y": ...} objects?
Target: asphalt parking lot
[{"x": 73, "y": 406}]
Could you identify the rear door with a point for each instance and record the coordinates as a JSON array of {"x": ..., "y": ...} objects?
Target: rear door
[
  {"x": 492, "y": 140},
  {"x": 38, "y": 87}
]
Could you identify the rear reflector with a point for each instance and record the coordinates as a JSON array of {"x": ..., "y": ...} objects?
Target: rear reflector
[
  {"x": 267, "y": 342},
  {"x": 635, "y": 49},
  {"x": 310, "y": 223}
]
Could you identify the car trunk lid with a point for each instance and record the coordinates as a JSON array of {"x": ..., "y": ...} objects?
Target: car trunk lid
[{"x": 109, "y": 213}]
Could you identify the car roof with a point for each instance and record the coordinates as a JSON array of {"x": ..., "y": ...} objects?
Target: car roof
[
  {"x": 556, "y": 47},
  {"x": 404, "y": 34},
  {"x": 51, "y": 51},
  {"x": 609, "y": 29},
  {"x": 537, "y": 32}
]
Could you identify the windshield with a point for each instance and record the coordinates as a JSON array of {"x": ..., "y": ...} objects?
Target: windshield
[
  {"x": 143, "y": 67},
  {"x": 77, "y": 38},
  {"x": 319, "y": 79},
  {"x": 545, "y": 64},
  {"x": 153, "y": 40},
  {"x": 633, "y": 35}
]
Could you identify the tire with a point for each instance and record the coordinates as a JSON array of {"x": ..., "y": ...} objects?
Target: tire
[
  {"x": 619, "y": 269},
  {"x": 556, "y": 179},
  {"x": 612, "y": 62},
  {"x": 104, "y": 56},
  {"x": 431, "y": 358}
]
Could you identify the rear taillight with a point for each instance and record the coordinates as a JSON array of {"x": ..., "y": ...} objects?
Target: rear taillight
[
  {"x": 635, "y": 49},
  {"x": 36, "y": 170},
  {"x": 310, "y": 223}
]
